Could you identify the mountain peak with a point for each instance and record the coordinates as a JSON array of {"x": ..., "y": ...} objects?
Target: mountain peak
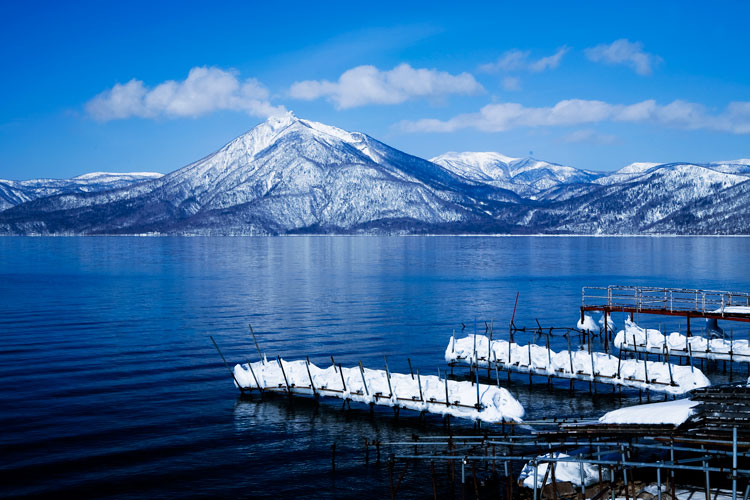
[{"x": 282, "y": 120}]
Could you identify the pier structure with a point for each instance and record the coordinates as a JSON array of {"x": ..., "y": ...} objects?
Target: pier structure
[
  {"x": 478, "y": 352},
  {"x": 683, "y": 302},
  {"x": 679, "y": 450}
]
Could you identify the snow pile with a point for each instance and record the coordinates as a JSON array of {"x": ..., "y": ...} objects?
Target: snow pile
[
  {"x": 597, "y": 366},
  {"x": 653, "y": 340},
  {"x": 372, "y": 386},
  {"x": 564, "y": 472},
  {"x": 669, "y": 412},
  {"x": 610, "y": 323},
  {"x": 588, "y": 324}
]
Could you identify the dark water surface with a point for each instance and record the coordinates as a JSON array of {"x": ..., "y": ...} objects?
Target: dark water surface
[{"x": 112, "y": 389}]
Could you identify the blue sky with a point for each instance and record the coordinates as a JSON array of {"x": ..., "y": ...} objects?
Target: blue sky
[{"x": 154, "y": 86}]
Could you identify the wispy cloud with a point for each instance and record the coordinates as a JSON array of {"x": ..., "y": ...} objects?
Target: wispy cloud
[
  {"x": 590, "y": 136},
  {"x": 206, "y": 89},
  {"x": 365, "y": 85},
  {"x": 520, "y": 60},
  {"x": 498, "y": 117},
  {"x": 623, "y": 51},
  {"x": 511, "y": 83}
]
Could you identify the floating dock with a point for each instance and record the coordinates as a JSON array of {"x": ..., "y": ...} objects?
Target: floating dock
[
  {"x": 478, "y": 351},
  {"x": 647, "y": 341},
  {"x": 431, "y": 394}
]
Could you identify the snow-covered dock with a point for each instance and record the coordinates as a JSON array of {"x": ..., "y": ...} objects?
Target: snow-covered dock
[
  {"x": 651, "y": 341},
  {"x": 432, "y": 394},
  {"x": 478, "y": 351}
]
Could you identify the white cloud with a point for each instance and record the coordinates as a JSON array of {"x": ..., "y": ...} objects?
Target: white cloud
[
  {"x": 206, "y": 89},
  {"x": 368, "y": 85},
  {"x": 498, "y": 117},
  {"x": 518, "y": 60},
  {"x": 589, "y": 136},
  {"x": 623, "y": 51},
  {"x": 511, "y": 83}
]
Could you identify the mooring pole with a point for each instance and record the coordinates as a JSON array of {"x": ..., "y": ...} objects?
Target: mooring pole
[
  {"x": 410, "y": 368},
  {"x": 334, "y": 364},
  {"x": 447, "y": 402},
  {"x": 226, "y": 364},
  {"x": 288, "y": 390},
  {"x": 249, "y": 365},
  {"x": 256, "y": 341},
  {"x": 312, "y": 385},
  {"x": 388, "y": 376},
  {"x": 419, "y": 382},
  {"x": 479, "y": 406},
  {"x": 341, "y": 372},
  {"x": 364, "y": 382}
]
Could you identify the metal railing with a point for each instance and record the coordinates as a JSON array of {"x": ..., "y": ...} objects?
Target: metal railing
[{"x": 669, "y": 299}]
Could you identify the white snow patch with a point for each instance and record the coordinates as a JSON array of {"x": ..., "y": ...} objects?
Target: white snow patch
[
  {"x": 669, "y": 412},
  {"x": 588, "y": 324},
  {"x": 564, "y": 472}
]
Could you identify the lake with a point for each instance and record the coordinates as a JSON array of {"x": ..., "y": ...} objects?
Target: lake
[{"x": 112, "y": 388}]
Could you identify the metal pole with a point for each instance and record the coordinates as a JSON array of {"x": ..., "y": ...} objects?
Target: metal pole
[
  {"x": 312, "y": 385},
  {"x": 419, "y": 381},
  {"x": 254, "y": 377},
  {"x": 479, "y": 406},
  {"x": 225, "y": 363},
  {"x": 364, "y": 382},
  {"x": 536, "y": 472},
  {"x": 734, "y": 463},
  {"x": 341, "y": 372},
  {"x": 256, "y": 341},
  {"x": 658, "y": 484},
  {"x": 288, "y": 390},
  {"x": 388, "y": 376}
]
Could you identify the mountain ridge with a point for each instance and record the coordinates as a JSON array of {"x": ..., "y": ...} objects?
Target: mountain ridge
[{"x": 289, "y": 175}]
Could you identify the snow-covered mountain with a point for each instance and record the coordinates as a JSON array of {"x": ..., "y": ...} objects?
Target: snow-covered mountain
[
  {"x": 524, "y": 176},
  {"x": 285, "y": 175},
  {"x": 289, "y": 175},
  {"x": 13, "y": 193},
  {"x": 642, "y": 204}
]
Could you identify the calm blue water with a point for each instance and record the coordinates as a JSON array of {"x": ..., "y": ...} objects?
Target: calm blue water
[{"x": 112, "y": 389}]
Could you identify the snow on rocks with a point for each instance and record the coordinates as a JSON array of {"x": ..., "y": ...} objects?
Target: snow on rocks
[
  {"x": 636, "y": 338},
  {"x": 597, "y": 366},
  {"x": 421, "y": 393},
  {"x": 564, "y": 472},
  {"x": 669, "y": 412}
]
